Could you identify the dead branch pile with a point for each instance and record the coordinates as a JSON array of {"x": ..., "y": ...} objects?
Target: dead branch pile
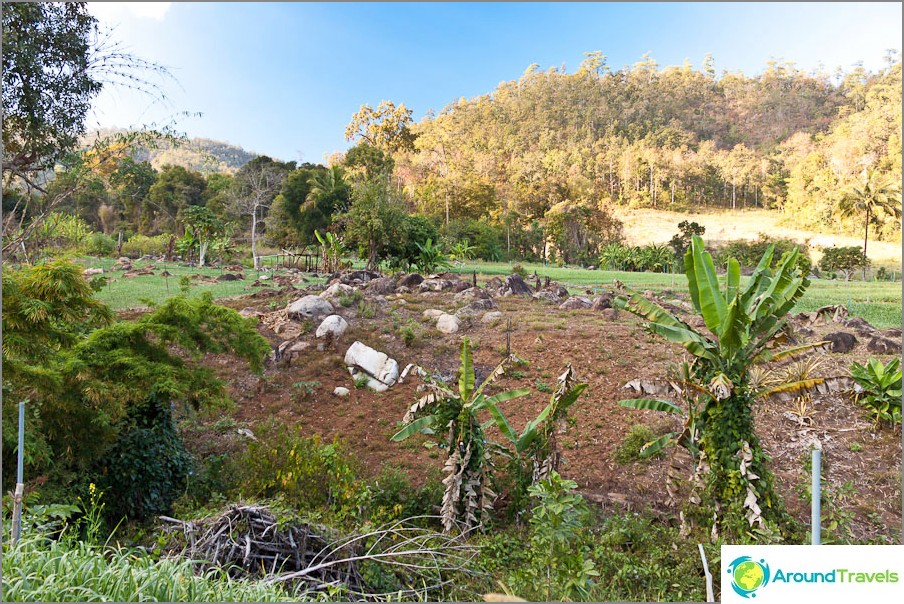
[{"x": 249, "y": 541}]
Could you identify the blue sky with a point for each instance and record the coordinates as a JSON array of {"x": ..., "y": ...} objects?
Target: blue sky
[{"x": 283, "y": 79}]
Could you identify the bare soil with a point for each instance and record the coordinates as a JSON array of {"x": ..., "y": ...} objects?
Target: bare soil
[{"x": 606, "y": 352}]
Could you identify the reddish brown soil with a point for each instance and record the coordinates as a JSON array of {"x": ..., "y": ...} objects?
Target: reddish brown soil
[{"x": 604, "y": 353}]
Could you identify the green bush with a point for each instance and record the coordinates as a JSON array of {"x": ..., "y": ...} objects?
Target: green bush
[
  {"x": 145, "y": 469},
  {"x": 392, "y": 497},
  {"x": 142, "y": 245},
  {"x": 881, "y": 386},
  {"x": 629, "y": 449},
  {"x": 484, "y": 238},
  {"x": 748, "y": 253},
  {"x": 98, "y": 244},
  {"x": 309, "y": 473}
]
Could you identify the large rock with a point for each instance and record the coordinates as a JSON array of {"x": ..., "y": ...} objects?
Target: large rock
[
  {"x": 334, "y": 291},
  {"x": 382, "y": 370},
  {"x": 477, "y": 307},
  {"x": 575, "y": 303},
  {"x": 448, "y": 323},
  {"x": 841, "y": 341},
  {"x": 602, "y": 301},
  {"x": 544, "y": 295},
  {"x": 412, "y": 280},
  {"x": 515, "y": 286},
  {"x": 881, "y": 345},
  {"x": 860, "y": 325},
  {"x": 492, "y": 317},
  {"x": 90, "y": 272},
  {"x": 382, "y": 286},
  {"x": 359, "y": 277},
  {"x": 433, "y": 313},
  {"x": 332, "y": 327},
  {"x": 436, "y": 285},
  {"x": 309, "y": 307},
  {"x": 472, "y": 293}
]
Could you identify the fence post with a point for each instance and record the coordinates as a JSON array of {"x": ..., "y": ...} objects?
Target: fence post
[
  {"x": 20, "y": 486},
  {"x": 815, "y": 498}
]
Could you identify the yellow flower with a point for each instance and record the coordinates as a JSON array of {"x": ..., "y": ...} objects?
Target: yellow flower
[{"x": 92, "y": 488}]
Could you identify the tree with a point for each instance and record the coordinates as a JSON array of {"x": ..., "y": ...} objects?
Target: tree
[
  {"x": 876, "y": 195},
  {"x": 738, "y": 490},
  {"x": 256, "y": 185},
  {"x": 374, "y": 219},
  {"x": 175, "y": 190},
  {"x": 55, "y": 61},
  {"x": 387, "y": 127},
  {"x": 201, "y": 227},
  {"x": 292, "y": 219},
  {"x": 843, "y": 259}
]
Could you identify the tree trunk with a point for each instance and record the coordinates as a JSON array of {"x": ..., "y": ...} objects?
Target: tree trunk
[
  {"x": 257, "y": 261},
  {"x": 865, "y": 235},
  {"x": 202, "y": 252}
]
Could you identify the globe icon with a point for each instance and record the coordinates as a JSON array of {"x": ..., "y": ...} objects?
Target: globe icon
[{"x": 748, "y": 575}]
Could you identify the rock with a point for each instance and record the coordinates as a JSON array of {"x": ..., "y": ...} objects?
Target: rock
[
  {"x": 90, "y": 272},
  {"x": 602, "y": 301},
  {"x": 544, "y": 295},
  {"x": 264, "y": 278},
  {"x": 412, "y": 280},
  {"x": 515, "y": 286},
  {"x": 432, "y": 313},
  {"x": 472, "y": 293},
  {"x": 435, "y": 285},
  {"x": 894, "y": 334},
  {"x": 251, "y": 312},
  {"x": 881, "y": 345},
  {"x": 332, "y": 327},
  {"x": 477, "y": 307},
  {"x": 341, "y": 392},
  {"x": 290, "y": 350},
  {"x": 335, "y": 291},
  {"x": 861, "y": 326},
  {"x": 492, "y": 317},
  {"x": 841, "y": 341},
  {"x": 403, "y": 290},
  {"x": 448, "y": 323},
  {"x": 575, "y": 303},
  {"x": 230, "y": 277},
  {"x": 494, "y": 285},
  {"x": 460, "y": 286},
  {"x": 358, "y": 277},
  {"x": 376, "y": 365},
  {"x": 308, "y": 307},
  {"x": 609, "y": 314},
  {"x": 382, "y": 286}
]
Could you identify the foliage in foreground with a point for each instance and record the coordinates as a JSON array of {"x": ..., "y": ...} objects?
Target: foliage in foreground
[
  {"x": 42, "y": 570},
  {"x": 881, "y": 389}
]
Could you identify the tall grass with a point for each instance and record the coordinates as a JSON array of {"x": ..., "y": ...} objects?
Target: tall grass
[{"x": 39, "y": 570}]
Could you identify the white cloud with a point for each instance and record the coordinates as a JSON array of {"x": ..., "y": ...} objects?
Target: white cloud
[{"x": 117, "y": 11}]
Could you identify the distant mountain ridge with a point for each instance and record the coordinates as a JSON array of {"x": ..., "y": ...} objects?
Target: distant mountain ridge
[{"x": 200, "y": 154}]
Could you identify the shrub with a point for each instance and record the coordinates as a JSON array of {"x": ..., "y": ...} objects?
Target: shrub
[
  {"x": 99, "y": 244},
  {"x": 748, "y": 253},
  {"x": 881, "y": 386},
  {"x": 629, "y": 450},
  {"x": 142, "y": 245},
  {"x": 845, "y": 260}
]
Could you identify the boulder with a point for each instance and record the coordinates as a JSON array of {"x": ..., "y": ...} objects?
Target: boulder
[
  {"x": 382, "y": 286},
  {"x": 492, "y": 317},
  {"x": 477, "y": 307},
  {"x": 860, "y": 325},
  {"x": 515, "y": 286},
  {"x": 376, "y": 365},
  {"x": 248, "y": 311},
  {"x": 412, "y": 280},
  {"x": 609, "y": 314},
  {"x": 459, "y": 286},
  {"x": 472, "y": 293},
  {"x": 448, "y": 323},
  {"x": 332, "y": 327},
  {"x": 334, "y": 291},
  {"x": 309, "y": 307},
  {"x": 881, "y": 345},
  {"x": 231, "y": 277},
  {"x": 358, "y": 277},
  {"x": 544, "y": 295},
  {"x": 432, "y": 313},
  {"x": 893, "y": 333},
  {"x": 841, "y": 341},
  {"x": 341, "y": 392},
  {"x": 602, "y": 301},
  {"x": 494, "y": 285},
  {"x": 435, "y": 285},
  {"x": 90, "y": 272},
  {"x": 575, "y": 303}
]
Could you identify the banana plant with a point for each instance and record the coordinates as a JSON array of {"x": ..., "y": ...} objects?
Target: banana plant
[
  {"x": 332, "y": 249},
  {"x": 880, "y": 389},
  {"x": 451, "y": 416},
  {"x": 742, "y": 325}
]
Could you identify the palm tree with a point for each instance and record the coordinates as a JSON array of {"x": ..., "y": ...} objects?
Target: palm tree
[
  {"x": 876, "y": 194},
  {"x": 329, "y": 191}
]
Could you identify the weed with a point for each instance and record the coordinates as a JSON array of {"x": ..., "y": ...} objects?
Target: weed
[
  {"x": 306, "y": 388},
  {"x": 517, "y": 374},
  {"x": 408, "y": 334},
  {"x": 630, "y": 448},
  {"x": 349, "y": 300},
  {"x": 224, "y": 425},
  {"x": 542, "y": 386},
  {"x": 361, "y": 381},
  {"x": 855, "y": 447},
  {"x": 367, "y": 311}
]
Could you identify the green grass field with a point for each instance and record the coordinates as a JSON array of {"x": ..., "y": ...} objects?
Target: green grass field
[{"x": 879, "y": 302}]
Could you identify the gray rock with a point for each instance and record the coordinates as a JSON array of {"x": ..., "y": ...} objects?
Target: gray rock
[
  {"x": 332, "y": 327},
  {"x": 575, "y": 303},
  {"x": 309, "y": 307},
  {"x": 432, "y": 313},
  {"x": 472, "y": 293},
  {"x": 515, "y": 286},
  {"x": 377, "y": 365},
  {"x": 546, "y": 296},
  {"x": 435, "y": 285},
  {"x": 341, "y": 392},
  {"x": 382, "y": 286},
  {"x": 492, "y": 317},
  {"x": 841, "y": 341},
  {"x": 334, "y": 291},
  {"x": 477, "y": 307},
  {"x": 602, "y": 301},
  {"x": 448, "y": 323},
  {"x": 411, "y": 281}
]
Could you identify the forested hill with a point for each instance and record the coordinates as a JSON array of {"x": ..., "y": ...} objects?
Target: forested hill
[
  {"x": 201, "y": 154},
  {"x": 646, "y": 136}
]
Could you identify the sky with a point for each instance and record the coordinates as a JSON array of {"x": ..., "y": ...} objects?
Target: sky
[{"x": 283, "y": 78}]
